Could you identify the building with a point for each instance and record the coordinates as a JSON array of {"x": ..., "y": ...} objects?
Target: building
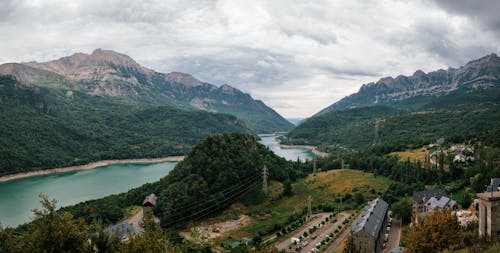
[
  {"x": 122, "y": 231},
  {"x": 149, "y": 204},
  {"x": 420, "y": 199},
  {"x": 367, "y": 231},
  {"x": 494, "y": 185},
  {"x": 489, "y": 215},
  {"x": 440, "y": 203}
]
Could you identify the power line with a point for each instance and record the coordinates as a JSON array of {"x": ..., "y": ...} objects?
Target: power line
[
  {"x": 213, "y": 196},
  {"x": 199, "y": 214}
]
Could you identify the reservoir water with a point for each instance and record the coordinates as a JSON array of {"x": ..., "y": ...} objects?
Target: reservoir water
[
  {"x": 291, "y": 154},
  {"x": 19, "y": 197}
]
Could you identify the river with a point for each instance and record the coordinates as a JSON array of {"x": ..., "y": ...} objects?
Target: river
[{"x": 18, "y": 197}]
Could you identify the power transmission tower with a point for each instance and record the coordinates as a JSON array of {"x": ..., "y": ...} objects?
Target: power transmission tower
[
  {"x": 265, "y": 174},
  {"x": 314, "y": 165},
  {"x": 309, "y": 209}
]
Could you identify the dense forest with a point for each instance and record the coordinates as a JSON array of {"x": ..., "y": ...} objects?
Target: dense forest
[
  {"x": 218, "y": 171},
  {"x": 45, "y": 128},
  {"x": 412, "y": 122}
]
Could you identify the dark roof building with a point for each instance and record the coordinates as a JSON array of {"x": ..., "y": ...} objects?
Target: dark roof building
[
  {"x": 423, "y": 196},
  {"x": 368, "y": 228},
  {"x": 150, "y": 200},
  {"x": 494, "y": 185}
]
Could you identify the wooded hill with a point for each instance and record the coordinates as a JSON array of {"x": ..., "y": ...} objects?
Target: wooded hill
[
  {"x": 411, "y": 110},
  {"x": 50, "y": 127}
]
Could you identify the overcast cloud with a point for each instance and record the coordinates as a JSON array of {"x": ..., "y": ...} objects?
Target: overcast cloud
[{"x": 296, "y": 56}]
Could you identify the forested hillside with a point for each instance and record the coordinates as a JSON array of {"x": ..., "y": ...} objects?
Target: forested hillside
[
  {"x": 414, "y": 121},
  {"x": 45, "y": 128},
  {"x": 220, "y": 170}
]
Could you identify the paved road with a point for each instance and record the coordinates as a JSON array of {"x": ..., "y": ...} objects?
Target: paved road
[
  {"x": 318, "y": 234},
  {"x": 394, "y": 235}
]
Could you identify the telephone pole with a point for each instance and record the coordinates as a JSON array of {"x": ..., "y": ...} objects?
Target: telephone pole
[
  {"x": 309, "y": 209},
  {"x": 265, "y": 174}
]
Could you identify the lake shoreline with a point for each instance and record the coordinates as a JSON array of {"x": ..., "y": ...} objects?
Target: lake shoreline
[
  {"x": 88, "y": 166},
  {"x": 313, "y": 149}
]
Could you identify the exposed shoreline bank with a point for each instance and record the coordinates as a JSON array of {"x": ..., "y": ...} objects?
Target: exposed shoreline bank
[
  {"x": 88, "y": 166},
  {"x": 313, "y": 149}
]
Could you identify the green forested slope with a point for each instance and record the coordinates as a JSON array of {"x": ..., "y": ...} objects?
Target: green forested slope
[
  {"x": 44, "y": 128},
  {"x": 413, "y": 121},
  {"x": 219, "y": 170}
]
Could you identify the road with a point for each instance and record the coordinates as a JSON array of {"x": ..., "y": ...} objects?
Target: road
[
  {"x": 319, "y": 234},
  {"x": 134, "y": 220},
  {"x": 394, "y": 235}
]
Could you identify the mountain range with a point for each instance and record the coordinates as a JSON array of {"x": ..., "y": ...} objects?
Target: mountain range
[
  {"x": 104, "y": 105},
  {"x": 411, "y": 110},
  {"x": 110, "y": 74},
  {"x": 476, "y": 74}
]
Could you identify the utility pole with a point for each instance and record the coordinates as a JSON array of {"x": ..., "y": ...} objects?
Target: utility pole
[
  {"x": 264, "y": 179},
  {"x": 309, "y": 209},
  {"x": 314, "y": 165}
]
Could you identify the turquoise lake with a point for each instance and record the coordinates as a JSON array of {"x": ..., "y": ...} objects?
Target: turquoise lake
[{"x": 19, "y": 197}]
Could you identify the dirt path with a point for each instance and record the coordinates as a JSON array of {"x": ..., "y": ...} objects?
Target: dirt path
[{"x": 89, "y": 167}]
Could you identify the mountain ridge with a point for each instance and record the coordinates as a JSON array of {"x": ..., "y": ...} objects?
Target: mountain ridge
[
  {"x": 108, "y": 73},
  {"x": 479, "y": 73}
]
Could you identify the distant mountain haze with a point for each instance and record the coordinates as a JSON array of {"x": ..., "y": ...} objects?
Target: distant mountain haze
[{"x": 108, "y": 73}]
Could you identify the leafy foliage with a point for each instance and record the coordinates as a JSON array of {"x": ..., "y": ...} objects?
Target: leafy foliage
[{"x": 439, "y": 231}]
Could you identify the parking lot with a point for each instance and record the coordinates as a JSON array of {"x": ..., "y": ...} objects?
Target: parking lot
[{"x": 313, "y": 239}]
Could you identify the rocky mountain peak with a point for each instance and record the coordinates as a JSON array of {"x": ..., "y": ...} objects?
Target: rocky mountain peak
[
  {"x": 480, "y": 73},
  {"x": 183, "y": 78}
]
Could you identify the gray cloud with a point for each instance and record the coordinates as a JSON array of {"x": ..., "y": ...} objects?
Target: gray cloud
[
  {"x": 298, "y": 57},
  {"x": 483, "y": 11}
]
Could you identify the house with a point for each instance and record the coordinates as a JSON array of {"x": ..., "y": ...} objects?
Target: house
[
  {"x": 420, "y": 200},
  {"x": 459, "y": 158},
  {"x": 245, "y": 240},
  {"x": 440, "y": 203},
  {"x": 489, "y": 215},
  {"x": 368, "y": 229},
  {"x": 440, "y": 141},
  {"x": 149, "y": 204},
  {"x": 494, "y": 185},
  {"x": 122, "y": 231}
]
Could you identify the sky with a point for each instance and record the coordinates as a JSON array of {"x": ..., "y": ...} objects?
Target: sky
[{"x": 296, "y": 56}]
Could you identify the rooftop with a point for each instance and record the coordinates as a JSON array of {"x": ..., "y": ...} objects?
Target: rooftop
[
  {"x": 151, "y": 198},
  {"x": 419, "y": 196},
  {"x": 371, "y": 218},
  {"x": 494, "y": 185}
]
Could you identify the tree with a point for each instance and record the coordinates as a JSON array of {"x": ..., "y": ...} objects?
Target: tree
[
  {"x": 287, "y": 188},
  {"x": 53, "y": 231},
  {"x": 359, "y": 198},
  {"x": 438, "y": 231},
  {"x": 403, "y": 210}
]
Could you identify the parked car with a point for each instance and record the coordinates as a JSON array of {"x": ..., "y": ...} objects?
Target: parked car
[
  {"x": 388, "y": 229},
  {"x": 386, "y": 237}
]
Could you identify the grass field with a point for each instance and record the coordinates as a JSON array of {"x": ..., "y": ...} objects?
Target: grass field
[
  {"x": 324, "y": 188},
  {"x": 412, "y": 154}
]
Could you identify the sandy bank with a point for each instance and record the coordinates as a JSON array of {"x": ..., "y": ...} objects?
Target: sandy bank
[{"x": 89, "y": 167}]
